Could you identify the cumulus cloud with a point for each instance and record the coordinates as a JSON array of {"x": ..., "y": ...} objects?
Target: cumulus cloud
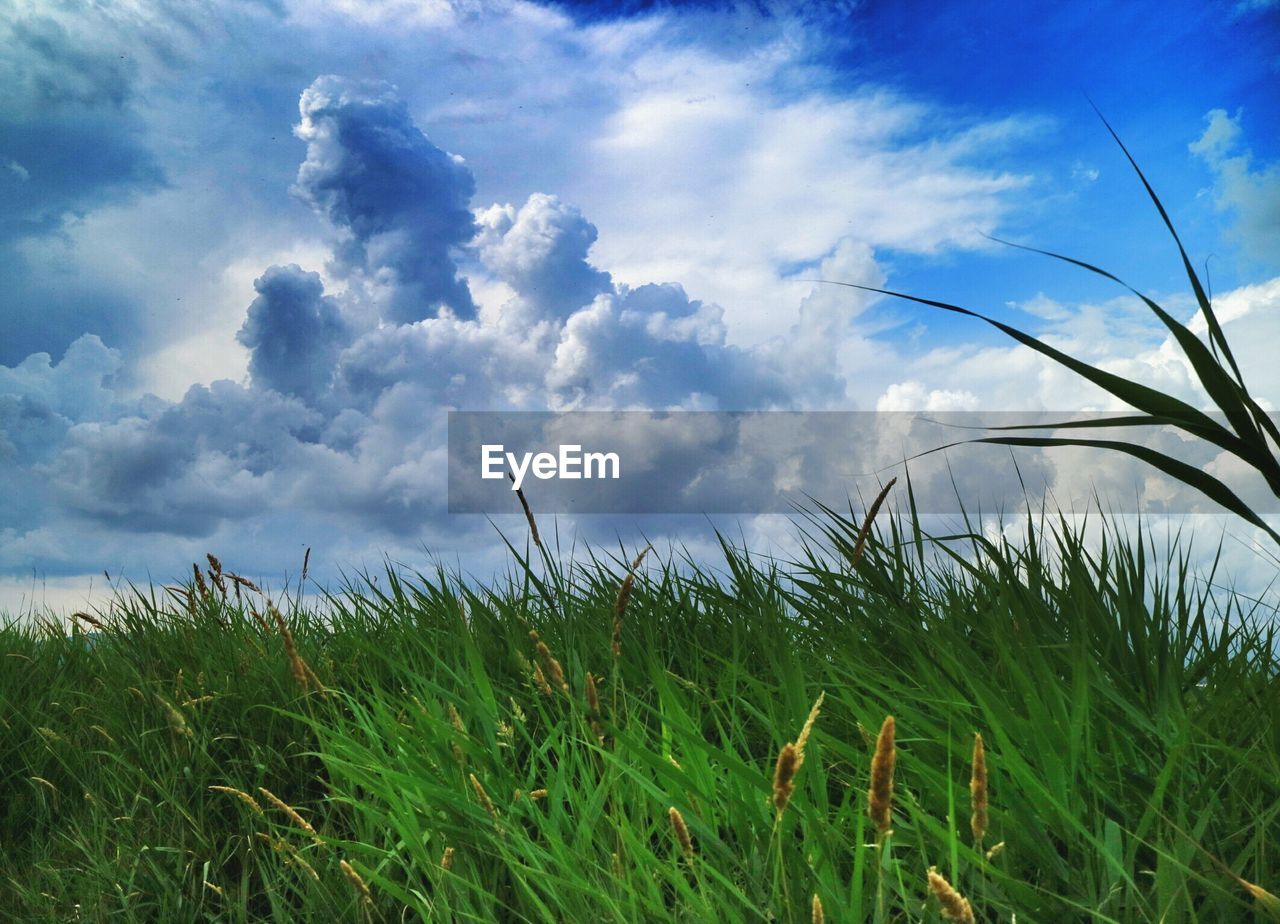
[
  {"x": 1251, "y": 191},
  {"x": 294, "y": 332},
  {"x": 641, "y": 348},
  {"x": 402, "y": 202},
  {"x": 540, "y": 250},
  {"x": 344, "y": 418},
  {"x": 217, "y": 454}
]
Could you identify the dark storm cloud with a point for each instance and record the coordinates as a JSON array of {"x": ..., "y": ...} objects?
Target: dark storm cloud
[
  {"x": 293, "y": 331},
  {"x": 404, "y": 203}
]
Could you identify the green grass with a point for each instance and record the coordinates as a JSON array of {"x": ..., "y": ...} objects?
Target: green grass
[{"x": 1131, "y": 720}]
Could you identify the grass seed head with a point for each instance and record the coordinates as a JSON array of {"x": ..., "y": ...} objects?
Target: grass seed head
[
  {"x": 528, "y": 514},
  {"x": 199, "y": 581},
  {"x": 624, "y": 597},
  {"x": 290, "y": 811},
  {"x": 860, "y": 543},
  {"x": 681, "y": 832},
  {"x": 880, "y": 795},
  {"x": 446, "y": 859},
  {"x": 784, "y": 773},
  {"x": 483, "y": 796},
  {"x": 819, "y": 916},
  {"x": 978, "y": 791},
  {"x": 540, "y": 681},
  {"x": 241, "y": 795},
  {"x": 357, "y": 881},
  {"x": 173, "y": 715},
  {"x": 551, "y": 667},
  {"x": 85, "y": 617},
  {"x": 955, "y": 907},
  {"x": 808, "y": 728}
]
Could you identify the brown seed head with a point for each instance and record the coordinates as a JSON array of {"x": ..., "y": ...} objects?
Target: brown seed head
[
  {"x": 819, "y": 916},
  {"x": 540, "y": 680},
  {"x": 357, "y": 881},
  {"x": 290, "y": 811},
  {"x": 978, "y": 791},
  {"x": 784, "y": 773},
  {"x": 483, "y": 796},
  {"x": 244, "y": 582},
  {"x": 242, "y": 796},
  {"x": 199, "y": 578},
  {"x": 528, "y": 514},
  {"x": 215, "y": 573},
  {"x": 880, "y": 795},
  {"x": 85, "y": 617},
  {"x": 808, "y": 728},
  {"x": 624, "y": 597},
  {"x": 446, "y": 860},
  {"x": 861, "y": 541},
  {"x": 955, "y": 907},
  {"x": 681, "y": 832}
]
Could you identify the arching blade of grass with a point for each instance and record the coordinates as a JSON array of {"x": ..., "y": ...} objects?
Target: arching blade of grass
[{"x": 1250, "y": 425}]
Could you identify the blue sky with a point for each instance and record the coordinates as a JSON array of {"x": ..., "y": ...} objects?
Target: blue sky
[{"x": 253, "y": 251}]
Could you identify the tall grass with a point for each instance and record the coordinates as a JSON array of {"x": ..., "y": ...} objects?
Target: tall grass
[
  {"x": 1250, "y": 434},
  {"x": 173, "y": 766}
]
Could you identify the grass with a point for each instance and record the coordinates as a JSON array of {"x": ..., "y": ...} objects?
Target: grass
[{"x": 400, "y": 759}]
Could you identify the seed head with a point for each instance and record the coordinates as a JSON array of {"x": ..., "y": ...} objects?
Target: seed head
[
  {"x": 880, "y": 795},
  {"x": 624, "y": 597},
  {"x": 356, "y": 881},
  {"x": 955, "y": 907},
  {"x": 978, "y": 791},
  {"x": 483, "y": 796},
  {"x": 681, "y": 832},
  {"x": 784, "y": 773}
]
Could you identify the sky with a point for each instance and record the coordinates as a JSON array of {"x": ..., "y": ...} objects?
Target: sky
[{"x": 253, "y": 252}]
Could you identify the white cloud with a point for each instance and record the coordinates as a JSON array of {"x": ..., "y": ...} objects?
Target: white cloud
[{"x": 1251, "y": 191}]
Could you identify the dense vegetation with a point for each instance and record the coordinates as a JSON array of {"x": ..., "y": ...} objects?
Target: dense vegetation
[{"x": 1131, "y": 724}]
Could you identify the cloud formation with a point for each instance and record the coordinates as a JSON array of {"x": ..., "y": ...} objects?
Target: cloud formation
[
  {"x": 638, "y": 199},
  {"x": 401, "y": 202},
  {"x": 1249, "y": 190},
  {"x": 540, "y": 250},
  {"x": 294, "y": 333}
]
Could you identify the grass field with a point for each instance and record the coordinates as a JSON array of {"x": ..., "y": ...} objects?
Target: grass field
[{"x": 439, "y": 764}]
